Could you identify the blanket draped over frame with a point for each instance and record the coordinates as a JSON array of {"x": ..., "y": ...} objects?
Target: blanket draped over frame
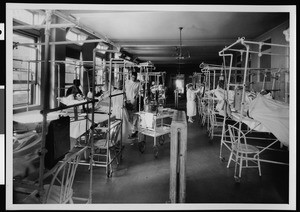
[{"x": 274, "y": 115}]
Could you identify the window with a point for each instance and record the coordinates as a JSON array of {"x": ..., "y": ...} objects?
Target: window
[
  {"x": 29, "y": 17},
  {"x": 72, "y": 71},
  {"x": 239, "y": 61},
  {"x": 265, "y": 62},
  {"x": 179, "y": 83},
  {"x": 239, "y": 76},
  {"x": 24, "y": 16},
  {"x": 25, "y": 85},
  {"x": 265, "y": 75},
  {"x": 26, "y": 68}
]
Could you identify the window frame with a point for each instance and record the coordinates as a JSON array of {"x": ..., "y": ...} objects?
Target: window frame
[
  {"x": 265, "y": 71},
  {"x": 77, "y": 71},
  {"x": 33, "y": 98}
]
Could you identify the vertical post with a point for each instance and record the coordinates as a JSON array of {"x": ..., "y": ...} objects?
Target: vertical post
[
  {"x": 214, "y": 87},
  {"x": 91, "y": 134},
  {"x": 45, "y": 98},
  {"x": 123, "y": 104},
  {"x": 244, "y": 87},
  {"x": 111, "y": 68},
  {"x": 286, "y": 87},
  {"x": 176, "y": 98},
  {"x": 146, "y": 81},
  {"x": 75, "y": 113},
  {"x": 140, "y": 87},
  {"x": 209, "y": 88},
  {"x": 178, "y": 157},
  {"x": 223, "y": 137},
  {"x": 273, "y": 83},
  {"x": 214, "y": 82},
  {"x": 58, "y": 81},
  {"x": 173, "y": 165},
  {"x": 28, "y": 80}
]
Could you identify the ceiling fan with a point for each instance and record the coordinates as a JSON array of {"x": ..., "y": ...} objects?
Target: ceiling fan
[{"x": 179, "y": 53}]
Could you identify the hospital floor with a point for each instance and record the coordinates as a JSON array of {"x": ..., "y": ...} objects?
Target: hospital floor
[{"x": 142, "y": 178}]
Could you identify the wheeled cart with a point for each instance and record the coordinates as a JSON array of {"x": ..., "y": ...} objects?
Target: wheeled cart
[{"x": 154, "y": 124}]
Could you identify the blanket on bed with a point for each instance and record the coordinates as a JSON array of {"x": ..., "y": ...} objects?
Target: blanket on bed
[
  {"x": 274, "y": 115},
  {"x": 25, "y": 153}
]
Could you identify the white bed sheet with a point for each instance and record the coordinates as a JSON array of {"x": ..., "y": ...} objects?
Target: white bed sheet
[
  {"x": 25, "y": 153},
  {"x": 31, "y": 119},
  {"x": 70, "y": 101},
  {"x": 274, "y": 115},
  {"x": 77, "y": 128}
]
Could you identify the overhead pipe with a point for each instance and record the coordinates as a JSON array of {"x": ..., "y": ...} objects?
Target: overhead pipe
[
  {"x": 243, "y": 42},
  {"x": 42, "y": 26},
  {"x": 61, "y": 42},
  {"x": 267, "y": 44},
  {"x": 206, "y": 65},
  {"x": 228, "y": 47},
  {"x": 259, "y": 53}
]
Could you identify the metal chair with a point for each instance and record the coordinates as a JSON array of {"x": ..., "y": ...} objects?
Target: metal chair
[
  {"x": 60, "y": 188},
  {"x": 214, "y": 123},
  {"x": 107, "y": 145},
  {"x": 243, "y": 152},
  {"x": 204, "y": 113}
]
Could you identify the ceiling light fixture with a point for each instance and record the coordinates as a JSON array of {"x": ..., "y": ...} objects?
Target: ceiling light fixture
[{"x": 180, "y": 55}]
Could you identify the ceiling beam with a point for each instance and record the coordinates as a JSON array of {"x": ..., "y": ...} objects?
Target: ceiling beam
[{"x": 164, "y": 43}]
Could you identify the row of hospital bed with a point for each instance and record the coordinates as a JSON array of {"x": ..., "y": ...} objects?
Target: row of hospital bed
[
  {"x": 237, "y": 116},
  {"x": 99, "y": 131},
  {"x": 92, "y": 137},
  {"x": 264, "y": 119}
]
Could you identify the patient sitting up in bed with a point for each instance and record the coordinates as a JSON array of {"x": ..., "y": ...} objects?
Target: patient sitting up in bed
[
  {"x": 219, "y": 94},
  {"x": 74, "y": 92}
]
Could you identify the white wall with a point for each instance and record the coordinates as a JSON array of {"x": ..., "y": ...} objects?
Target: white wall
[{"x": 277, "y": 37}]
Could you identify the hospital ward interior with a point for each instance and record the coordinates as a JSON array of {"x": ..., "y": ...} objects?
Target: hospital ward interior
[{"x": 149, "y": 106}]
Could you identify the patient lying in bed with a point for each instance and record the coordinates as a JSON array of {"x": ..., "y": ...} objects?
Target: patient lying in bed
[{"x": 220, "y": 95}]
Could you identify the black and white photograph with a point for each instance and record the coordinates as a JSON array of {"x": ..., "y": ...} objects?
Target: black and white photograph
[{"x": 150, "y": 107}]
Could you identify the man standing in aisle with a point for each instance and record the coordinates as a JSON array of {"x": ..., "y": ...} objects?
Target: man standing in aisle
[{"x": 132, "y": 97}]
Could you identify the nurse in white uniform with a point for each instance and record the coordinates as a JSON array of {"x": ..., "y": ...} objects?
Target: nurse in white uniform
[{"x": 191, "y": 108}]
